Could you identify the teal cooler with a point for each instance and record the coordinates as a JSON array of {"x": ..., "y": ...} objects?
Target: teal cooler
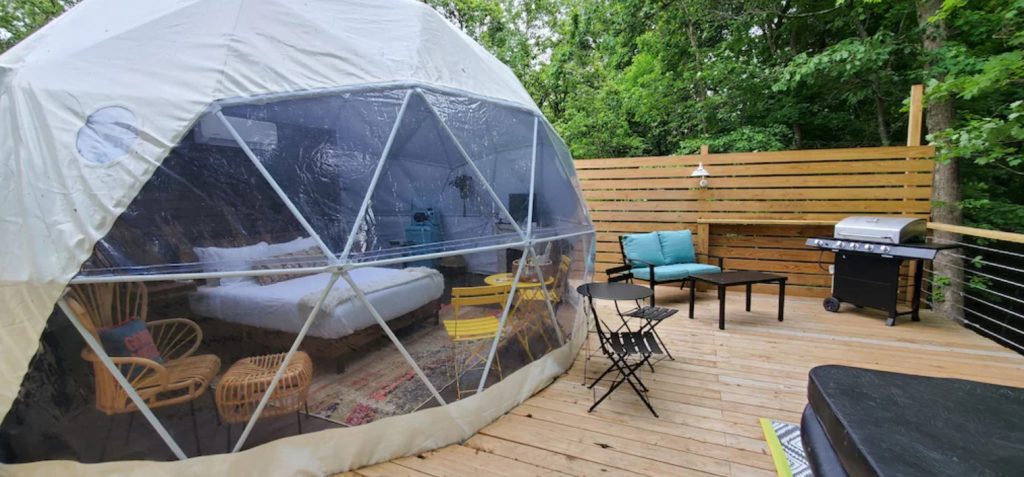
[{"x": 424, "y": 229}]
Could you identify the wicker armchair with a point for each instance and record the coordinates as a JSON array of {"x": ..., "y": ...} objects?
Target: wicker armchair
[{"x": 182, "y": 377}]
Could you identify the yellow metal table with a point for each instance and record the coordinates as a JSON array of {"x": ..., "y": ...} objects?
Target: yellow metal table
[{"x": 506, "y": 279}]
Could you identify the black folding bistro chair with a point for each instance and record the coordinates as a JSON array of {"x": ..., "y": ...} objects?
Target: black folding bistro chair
[
  {"x": 651, "y": 316},
  {"x": 628, "y": 351}
]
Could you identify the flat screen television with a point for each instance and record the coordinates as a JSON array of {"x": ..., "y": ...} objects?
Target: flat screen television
[{"x": 518, "y": 207}]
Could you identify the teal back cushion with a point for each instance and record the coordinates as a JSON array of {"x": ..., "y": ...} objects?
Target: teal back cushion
[
  {"x": 677, "y": 246},
  {"x": 643, "y": 247}
]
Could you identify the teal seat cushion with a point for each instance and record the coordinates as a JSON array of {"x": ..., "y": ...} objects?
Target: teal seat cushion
[
  {"x": 677, "y": 271},
  {"x": 677, "y": 246},
  {"x": 643, "y": 247}
]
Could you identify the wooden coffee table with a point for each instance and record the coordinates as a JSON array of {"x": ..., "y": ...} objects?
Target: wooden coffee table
[{"x": 723, "y": 280}]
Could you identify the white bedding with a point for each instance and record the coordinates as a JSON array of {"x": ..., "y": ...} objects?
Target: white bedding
[{"x": 393, "y": 292}]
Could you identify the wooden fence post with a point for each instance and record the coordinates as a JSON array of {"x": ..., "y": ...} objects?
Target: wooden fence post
[
  {"x": 914, "y": 122},
  {"x": 703, "y": 237},
  {"x": 702, "y": 195},
  {"x": 703, "y": 228},
  {"x": 916, "y": 115}
]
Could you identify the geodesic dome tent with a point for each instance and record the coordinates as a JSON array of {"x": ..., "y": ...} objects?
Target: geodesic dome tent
[{"x": 281, "y": 236}]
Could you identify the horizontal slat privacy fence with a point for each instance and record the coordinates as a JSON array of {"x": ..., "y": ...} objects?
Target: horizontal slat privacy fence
[{"x": 758, "y": 207}]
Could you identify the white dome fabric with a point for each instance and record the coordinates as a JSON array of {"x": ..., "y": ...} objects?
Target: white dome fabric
[
  {"x": 166, "y": 62},
  {"x": 92, "y": 105}
]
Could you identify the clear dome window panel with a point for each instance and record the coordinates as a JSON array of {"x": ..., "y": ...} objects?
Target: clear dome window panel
[
  {"x": 575, "y": 255},
  {"x": 70, "y": 407},
  {"x": 543, "y": 314},
  {"x": 360, "y": 376},
  {"x": 450, "y": 336},
  {"x": 561, "y": 231},
  {"x": 557, "y": 202},
  {"x": 206, "y": 209},
  {"x": 499, "y": 140},
  {"x": 377, "y": 385},
  {"x": 477, "y": 293},
  {"x": 322, "y": 151},
  {"x": 563, "y": 151},
  {"x": 429, "y": 198},
  {"x": 356, "y": 375}
]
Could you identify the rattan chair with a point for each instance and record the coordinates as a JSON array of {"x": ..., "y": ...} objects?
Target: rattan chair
[
  {"x": 183, "y": 377},
  {"x": 465, "y": 333},
  {"x": 244, "y": 384}
]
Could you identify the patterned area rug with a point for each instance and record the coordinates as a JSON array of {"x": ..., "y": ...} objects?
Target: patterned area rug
[
  {"x": 382, "y": 384},
  {"x": 787, "y": 451}
]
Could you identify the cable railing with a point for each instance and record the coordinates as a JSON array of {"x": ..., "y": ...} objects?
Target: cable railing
[{"x": 985, "y": 287}]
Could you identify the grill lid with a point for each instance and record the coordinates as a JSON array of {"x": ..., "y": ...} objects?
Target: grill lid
[{"x": 893, "y": 230}]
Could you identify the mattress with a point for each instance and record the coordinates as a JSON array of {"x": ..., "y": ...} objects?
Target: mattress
[
  {"x": 279, "y": 306},
  {"x": 892, "y": 424}
]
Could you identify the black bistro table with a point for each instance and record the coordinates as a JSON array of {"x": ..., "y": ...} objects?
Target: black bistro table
[
  {"x": 629, "y": 350},
  {"x": 723, "y": 280}
]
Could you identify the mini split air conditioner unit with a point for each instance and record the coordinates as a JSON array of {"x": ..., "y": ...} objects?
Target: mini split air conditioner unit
[{"x": 256, "y": 134}]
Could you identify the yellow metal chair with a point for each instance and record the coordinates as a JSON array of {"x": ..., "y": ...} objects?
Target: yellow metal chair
[
  {"x": 465, "y": 332},
  {"x": 554, "y": 287},
  {"x": 534, "y": 324}
]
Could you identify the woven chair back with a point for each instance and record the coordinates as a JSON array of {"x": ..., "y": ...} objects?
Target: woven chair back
[{"x": 103, "y": 305}]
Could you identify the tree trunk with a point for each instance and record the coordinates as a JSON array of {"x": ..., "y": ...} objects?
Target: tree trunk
[
  {"x": 876, "y": 89},
  {"x": 880, "y": 110},
  {"x": 946, "y": 181},
  {"x": 698, "y": 59},
  {"x": 702, "y": 89}
]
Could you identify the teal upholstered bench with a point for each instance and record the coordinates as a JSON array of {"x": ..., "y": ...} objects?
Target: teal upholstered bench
[{"x": 661, "y": 257}]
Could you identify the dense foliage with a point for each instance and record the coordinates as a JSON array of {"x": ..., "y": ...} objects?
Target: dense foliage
[
  {"x": 19, "y": 18},
  {"x": 648, "y": 77}
]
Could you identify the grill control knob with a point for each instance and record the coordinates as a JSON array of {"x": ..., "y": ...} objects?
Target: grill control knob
[
  {"x": 817, "y": 243},
  {"x": 840, "y": 244},
  {"x": 869, "y": 247},
  {"x": 885, "y": 248}
]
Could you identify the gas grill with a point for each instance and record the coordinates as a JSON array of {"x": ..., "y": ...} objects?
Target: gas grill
[{"x": 869, "y": 252}]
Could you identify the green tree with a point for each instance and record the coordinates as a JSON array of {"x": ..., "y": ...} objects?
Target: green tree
[
  {"x": 982, "y": 67},
  {"x": 19, "y": 18}
]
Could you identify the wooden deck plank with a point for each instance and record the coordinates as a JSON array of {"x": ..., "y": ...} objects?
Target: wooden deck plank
[
  {"x": 464, "y": 460},
  {"x": 585, "y": 445},
  {"x": 649, "y": 430},
  {"x": 549, "y": 460},
  {"x": 389, "y": 469},
  {"x": 711, "y": 396}
]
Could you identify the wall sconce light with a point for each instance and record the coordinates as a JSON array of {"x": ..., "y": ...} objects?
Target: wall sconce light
[{"x": 702, "y": 173}]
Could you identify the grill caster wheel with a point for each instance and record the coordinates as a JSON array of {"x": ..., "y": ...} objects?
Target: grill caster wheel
[{"x": 831, "y": 304}]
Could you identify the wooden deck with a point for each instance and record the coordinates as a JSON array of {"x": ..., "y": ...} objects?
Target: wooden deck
[{"x": 711, "y": 396}]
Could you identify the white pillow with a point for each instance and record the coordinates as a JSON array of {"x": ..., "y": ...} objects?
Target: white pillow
[{"x": 221, "y": 259}]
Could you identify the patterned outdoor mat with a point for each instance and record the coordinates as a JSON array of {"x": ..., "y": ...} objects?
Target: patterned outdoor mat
[
  {"x": 381, "y": 383},
  {"x": 787, "y": 450}
]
